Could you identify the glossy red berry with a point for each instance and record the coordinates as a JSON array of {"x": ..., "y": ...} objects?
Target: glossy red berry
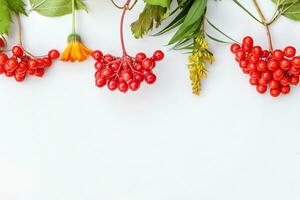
[
  {"x": 40, "y": 72},
  {"x": 296, "y": 62},
  {"x": 267, "y": 75},
  {"x": 285, "y": 80},
  {"x": 112, "y": 84},
  {"x": 123, "y": 86},
  {"x": 97, "y": 55},
  {"x": 150, "y": 78},
  {"x": 261, "y": 66},
  {"x": 289, "y": 52},
  {"x": 140, "y": 57},
  {"x": 277, "y": 55},
  {"x": 17, "y": 51},
  {"x": 100, "y": 82},
  {"x": 3, "y": 58},
  {"x": 285, "y": 89},
  {"x": 285, "y": 64},
  {"x": 134, "y": 85},
  {"x": 261, "y": 89},
  {"x": 274, "y": 84},
  {"x": 248, "y": 41},
  {"x": 253, "y": 81},
  {"x": 275, "y": 92},
  {"x": 234, "y": 48},
  {"x": 272, "y": 65},
  {"x": 158, "y": 55},
  {"x": 294, "y": 80},
  {"x": 256, "y": 51},
  {"x": 32, "y": 64},
  {"x": 148, "y": 64},
  {"x": 53, "y": 54},
  {"x": 240, "y": 54}
]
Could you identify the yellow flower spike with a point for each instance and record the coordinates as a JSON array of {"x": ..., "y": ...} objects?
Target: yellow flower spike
[{"x": 75, "y": 51}]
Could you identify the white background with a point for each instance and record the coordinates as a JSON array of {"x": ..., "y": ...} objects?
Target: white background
[{"x": 62, "y": 138}]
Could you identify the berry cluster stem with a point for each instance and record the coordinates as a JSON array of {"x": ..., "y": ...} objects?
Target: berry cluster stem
[
  {"x": 264, "y": 23},
  {"x": 125, "y": 8},
  {"x": 20, "y": 29}
]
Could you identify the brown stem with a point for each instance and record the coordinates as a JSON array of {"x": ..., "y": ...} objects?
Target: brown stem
[
  {"x": 264, "y": 23},
  {"x": 126, "y": 7},
  {"x": 20, "y": 29}
]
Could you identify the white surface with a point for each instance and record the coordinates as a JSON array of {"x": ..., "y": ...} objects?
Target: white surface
[{"x": 62, "y": 138}]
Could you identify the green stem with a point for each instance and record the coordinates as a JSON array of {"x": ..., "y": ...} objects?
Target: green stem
[{"x": 73, "y": 18}]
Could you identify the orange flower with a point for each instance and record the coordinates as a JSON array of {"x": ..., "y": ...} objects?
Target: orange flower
[{"x": 75, "y": 51}]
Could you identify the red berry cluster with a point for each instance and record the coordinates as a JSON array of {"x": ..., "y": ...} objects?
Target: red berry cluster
[
  {"x": 22, "y": 63},
  {"x": 125, "y": 72},
  {"x": 277, "y": 69}
]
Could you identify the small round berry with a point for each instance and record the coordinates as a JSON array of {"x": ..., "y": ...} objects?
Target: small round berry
[
  {"x": 267, "y": 75},
  {"x": 261, "y": 66},
  {"x": 2, "y": 69},
  {"x": 240, "y": 54},
  {"x": 256, "y": 51},
  {"x": 47, "y": 62},
  {"x": 294, "y": 80},
  {"x": 148, "y": 64},
  {"x": 139, "y": 77},
  {"x": 289, "y": 52},
  {"x": 246, "y": 48},
  {"x": 252, "y": 67},
  {"x": 97, "y": 55},
  {"x": 285, "y": 80},
  {"x": 3, "y": 58},
  {"x": 234, "y": 48},
  {"x": 108, "y": 58},
  {"x": 126, "y": 76},
  {"x": 158, "y": 55},
  {"x": 261, "y": 89},
  {"x": 123, "y": 86},
  {"x": 19, "y": 78},
  {"x": 17, "y": 51},
  {"x": 253, "y": 81},
  {"x": 134, "y": 85},
  {"x": 296, "y": 62},
  {"x": 32, "y": 64},
  {"x": 248, "y": 41},
  {"x": 140, "y": 57},
  {"x": 40, "y": 72},
  {"x": 285, "y": 89},
  {"x": 100, "y": 82},
  {"x": 265, "y": 54},
  {"x": 274, "y": 84},
  {"x": 244, "y": 63},
  {"x": 150, "y": 78},
  {"x": 11, "y": 64},
  {"x": 278, "y": 74},
  {"x": 112, "y": 84},
  {"x": 272, "y": 65},
  {"x": 275, "y": 92},
  {"x": 277, "y": 55},
  {"x": 253, "y": 59},
  {"x": 255, "y": 74},
  {"x": 53, "y": 54},
  {"x": 106, "y": 73},
  {"x": 31, "y": 72},
  {"x": 285, "y": 64},
  {"x": 99, "y": 66},
  {"x": 263, "y": 82}
]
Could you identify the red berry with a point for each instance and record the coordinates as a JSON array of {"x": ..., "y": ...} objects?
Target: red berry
[
  {"x": 97, "y": 55},
  {"x": 246, "y": 48},
  {"x": 108, "y": 58},
  {"x": 40, "y": 72},
  {"x": 11, "y": 64},
  {"x": 240, "y": 54},
  {"x": 285, "y": 89},
  {"x": 263, "y": 82},
  {"x": 261, "y": 66},
  {"x": 267, "y": 75},
  {"x": 265, "y": 54},
  {"x": 126, "y": 76},
  {"x": 272, "y": 65},
  {"x": 31, "y": 71},
  {"x": 148, "y": 64},
  {"x": 2, "y": 69},
  {"x": 150, "y": 78},
  {"x": 277, "y": 55},
  {"x": 253, "y": 59},
  {"x": 256, "y": 51},
  {"x": 294, "y": 80},
  {"x": 253, "y": 81},
  {"x": 252, "y": 67},
  {"x": 244, "y": 63},
  {"x": 123, "y": 86},
  {"x": 275, "y": 92},
  {"x": 289, "y": 52},
  {"x": 32, "y": 64},
  {"x": 248, "y": 41},
  {"x": 100, "y": 82},
  {"x": 140, "y": 57},
  {"x": 278, "y": 74},
  {"x": 98, "y": 65},
  {"x": 112, "y": 84},
  {"x": 234, "y": 48},
  {"x": 9, "y": 73},
  {"x": 158, "y": 55},
  {"x": 19, "y": 78},
  {"x": 274, "y": 84},
  {"x": 3, "y": 58},
  {"x": 47, "y": 62},
  {"x": 106, "y": 73},
  {"x": 255, "y": 74},
  {"x": 285, "y": 64},
  {"x": 134, "y": 85},
  {"x": 53, "y": 54},
  {"x": 261, "y": 89},
  {"x": 17, "y": 51},
  {"x": 296, "y": 62},
  {"x": 138, "y": 77},
  {"x": 285, "y": 80}
]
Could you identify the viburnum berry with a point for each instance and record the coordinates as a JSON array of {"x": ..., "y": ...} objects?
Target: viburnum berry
[
  {"x": 97, "y": 55},
  {"x": 277, "y": 70},
  {"x": 158, "y": 55},
  {"x": 23, "y": 63}
]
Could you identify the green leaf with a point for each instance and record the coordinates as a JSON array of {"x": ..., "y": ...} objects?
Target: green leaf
[
  {"x": 162, "y": 3},
  {"x": 17, "y": 6},
  {"x": 191, "y": 22},
  {"x": 151, "y": 15},
  {"x": 5, "y": 17},
  {"x": 289, "y": 8},
  {"x": 55, "y": 8}
]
